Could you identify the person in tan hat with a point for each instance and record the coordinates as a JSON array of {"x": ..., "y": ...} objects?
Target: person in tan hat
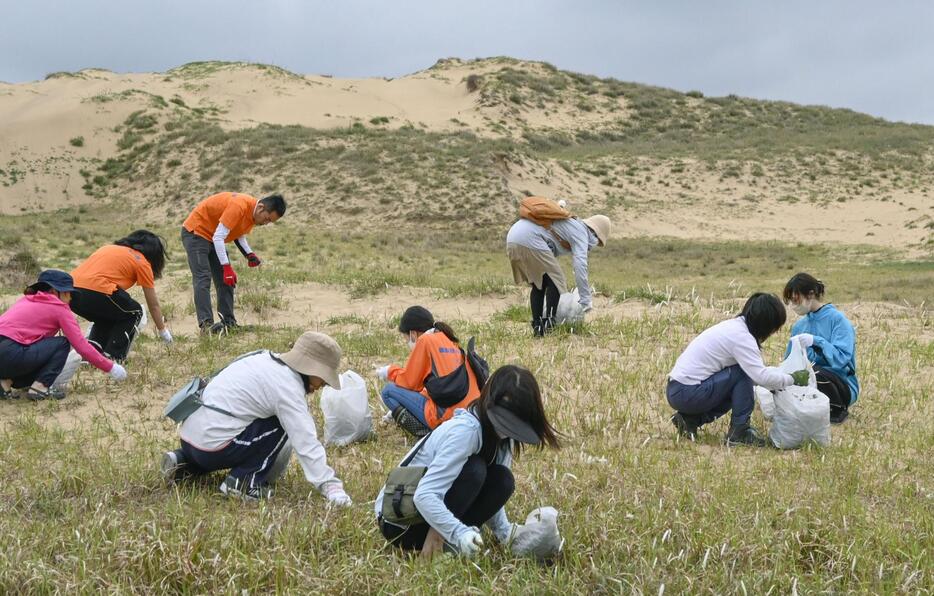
[
  {"x": 533, "y": 251},
  {"x": 255, "y": 414}
]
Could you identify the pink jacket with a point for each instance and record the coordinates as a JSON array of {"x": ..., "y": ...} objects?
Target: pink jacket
[{"x": 42, "y": 315}]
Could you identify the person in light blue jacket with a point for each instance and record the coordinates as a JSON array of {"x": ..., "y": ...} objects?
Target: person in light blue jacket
[
  {"x": 830, "y": 340},
  {"x": 468, "y": 458}
]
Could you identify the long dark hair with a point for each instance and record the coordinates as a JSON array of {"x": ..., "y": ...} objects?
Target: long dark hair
[
  {"x": 151, "y": 245},
  {"x": 514, "y": 388},
  {"x": 803, "y": 285},
  {"x": 764, "y": 314},
  {"x": 39, "y": 286},
  {"x": 446, "y": 329}
]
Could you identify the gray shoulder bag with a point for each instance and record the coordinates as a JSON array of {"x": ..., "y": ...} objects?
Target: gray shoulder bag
[
  {"x": 187, "y": 400},
  {"x": 399, "y": 492}
]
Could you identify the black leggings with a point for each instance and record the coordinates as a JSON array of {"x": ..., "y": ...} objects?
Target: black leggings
[
  {"x": 476, "y": 495},
  {"x": 836, "y": 390},
  {"x": 544, "y": 302},
  {"x": 115, "y": 318}
]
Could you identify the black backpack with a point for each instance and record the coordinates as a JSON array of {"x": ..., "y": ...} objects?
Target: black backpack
[{"x": 451, "y": 388}]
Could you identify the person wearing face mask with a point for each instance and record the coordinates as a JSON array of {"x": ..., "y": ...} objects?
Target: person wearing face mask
[
  {"x": 435, "y": 350},
  {"x": 830, "y": 340},
  {"x": 32, "y": 354},
  {"x": 716, "y": 372},
  {"x": 468, "y": 478}
]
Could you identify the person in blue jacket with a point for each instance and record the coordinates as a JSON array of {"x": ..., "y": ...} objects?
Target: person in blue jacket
[
  {"x": 468, "y": 479},
  {"x": 830, "y": 340}
]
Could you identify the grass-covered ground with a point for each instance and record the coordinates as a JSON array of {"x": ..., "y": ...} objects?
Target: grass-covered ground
[{"x": 84, "y": 510}]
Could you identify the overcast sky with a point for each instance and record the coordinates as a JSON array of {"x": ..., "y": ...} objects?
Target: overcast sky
[{"x": 871, "y": 56}]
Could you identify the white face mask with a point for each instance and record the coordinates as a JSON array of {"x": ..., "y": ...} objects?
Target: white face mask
[
  {"x": 412, "y": 343},
  {"x": 802, "y": 309}
]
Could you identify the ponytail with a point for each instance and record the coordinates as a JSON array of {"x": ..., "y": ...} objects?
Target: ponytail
[
  {"x": 39, "y": 286},
  {"x": 446, "y": 329}
]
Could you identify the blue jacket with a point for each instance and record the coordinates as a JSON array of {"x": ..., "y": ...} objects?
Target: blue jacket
[{"x": 834, "y": 344}]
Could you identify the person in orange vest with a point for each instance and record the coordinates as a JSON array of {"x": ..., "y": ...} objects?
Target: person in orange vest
[
  {"x": 436, "y": 354},
  {"x": 101, "y": 284},
  {"x": 219, "y": 219}
]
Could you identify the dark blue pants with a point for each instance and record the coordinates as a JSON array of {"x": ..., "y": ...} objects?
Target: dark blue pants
[
  {"x": 40, "y": 361},
  {"x": 729, "y": 389},
  {"x": 249, "y": 457}
]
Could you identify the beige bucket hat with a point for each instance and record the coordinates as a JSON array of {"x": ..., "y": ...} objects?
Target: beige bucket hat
[
  {"x": 600, "y": 224},
  {"x": 315, "y": 354}
]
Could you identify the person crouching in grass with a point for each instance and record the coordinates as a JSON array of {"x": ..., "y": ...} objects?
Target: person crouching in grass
[
  {"x": 255, "y": 414},
  {"x": 101, "y": 297},
  {"x": 830, "y": 341},
  {"x": 32, "y": 355},
  {"x": 468, "y": 479},
  {"x": 435, "y": 352},
  {"x": 716, "y": 372}
]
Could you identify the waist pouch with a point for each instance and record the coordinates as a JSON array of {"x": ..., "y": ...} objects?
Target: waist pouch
[{"x": 399, "y": 492}]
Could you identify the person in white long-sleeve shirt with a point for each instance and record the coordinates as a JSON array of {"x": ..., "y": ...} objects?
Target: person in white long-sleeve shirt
[
  {"x": 533, "y": 250},
  {"x": 221, "y": 218},
  {"x": 255, "y": 415},
  {"x": 468, "y": 458},
  {"x": 716, "y": 372}
]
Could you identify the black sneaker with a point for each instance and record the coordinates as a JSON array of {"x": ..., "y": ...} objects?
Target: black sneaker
[
  {"x": 6, "y": 394},
  {"x": 237, "y": 487},
  {"x": 686, "y": 424},
  {"x": 174, "y": 468},
  {"x": 50, "y": 393},
  {"x": 409, "y": 423},
  {"x": 838, "y": 416},
  {"x": 745, "y": 435}
]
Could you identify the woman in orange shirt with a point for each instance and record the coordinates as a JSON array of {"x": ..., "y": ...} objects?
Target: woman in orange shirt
[
  {"x": 101, "y": 284},
  {"x": 436, "y": 352}
]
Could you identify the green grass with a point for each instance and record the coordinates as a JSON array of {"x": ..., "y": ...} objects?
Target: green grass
[{"x": 640, "y": 511}]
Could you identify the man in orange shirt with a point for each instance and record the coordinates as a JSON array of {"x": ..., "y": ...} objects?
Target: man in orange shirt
[{"x": 218, "y": 219}]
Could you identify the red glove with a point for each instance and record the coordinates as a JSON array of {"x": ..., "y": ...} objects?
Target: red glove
[
  {"x": 230, "y": 277},
  {"x": 253, "y": 260}
]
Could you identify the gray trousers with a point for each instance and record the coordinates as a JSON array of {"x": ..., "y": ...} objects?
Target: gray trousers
[{"x": 202, "y": 260}]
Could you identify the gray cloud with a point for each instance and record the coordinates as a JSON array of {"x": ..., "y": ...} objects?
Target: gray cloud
[{"x": 869, "y": 56}]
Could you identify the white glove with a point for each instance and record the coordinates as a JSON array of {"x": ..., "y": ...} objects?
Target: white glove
[
  {"x": 806, "y": 339},
  {"x": 382, "y": 373},
  {"x": 336, "y": 496},
  {"x": 166, "y": 335},
  {"x": 118, "y": 372},
  {"x": 470, "y": 542}
]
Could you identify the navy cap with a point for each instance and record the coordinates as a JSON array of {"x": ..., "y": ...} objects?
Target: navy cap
[
  {"x": 507, "y": 424},
  {"x": 59, "y": 280}
]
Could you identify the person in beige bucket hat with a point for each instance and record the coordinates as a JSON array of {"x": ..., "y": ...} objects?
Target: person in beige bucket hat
[
  {"x": 254, "y": 415},
  {"x": 533, "y": 252}
]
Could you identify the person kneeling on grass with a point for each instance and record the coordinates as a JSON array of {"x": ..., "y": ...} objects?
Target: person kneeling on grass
[
  {"x": 716, "y": 372},
  {"x": 468, "y": 478},
  {"x": 435, "y": 352},
  {"x": 101, "y": 297},
  {"x": 31, "y": 354},
  {"x": 830, "y": 340},
  {"x": 263, "y": 416}
]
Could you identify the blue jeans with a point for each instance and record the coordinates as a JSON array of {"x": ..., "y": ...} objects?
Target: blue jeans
[
  {"x": 728, "y": 389},
  {"x": 413, "y": 401},
  {"x": 249, "y": 457}
]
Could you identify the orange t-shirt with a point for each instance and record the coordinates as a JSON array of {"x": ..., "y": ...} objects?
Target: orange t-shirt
[
  {"x": 447, "y": 357},
  {"x": 233, "y": 209},
  {"x": 112, "y": 267}
]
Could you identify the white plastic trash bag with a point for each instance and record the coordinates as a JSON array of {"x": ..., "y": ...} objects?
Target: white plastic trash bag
[
  {"x": 538, "y": 537},
  {"x": 801, "y": 413},
  {"x": 71, "y": 367},
  {"x": 569, "y": 309},
  {"x": 347, "y": 416},
  {"x": 766, "y": 402}
]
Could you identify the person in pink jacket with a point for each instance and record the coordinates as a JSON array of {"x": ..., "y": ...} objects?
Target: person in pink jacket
[{"x": 31, "y": 353}]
